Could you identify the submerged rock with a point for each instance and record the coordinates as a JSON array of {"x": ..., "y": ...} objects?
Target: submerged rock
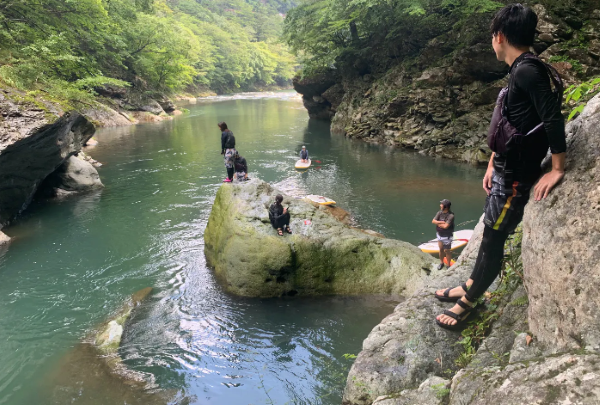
[
  {"x": 4, "y": 239},
  {"x": 109, "y": 338},
  {"x": 323, "y": 256}
]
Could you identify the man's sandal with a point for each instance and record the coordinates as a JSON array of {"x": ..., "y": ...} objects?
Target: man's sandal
[
  {"x": 460, "y": 319},
  {"x": 446, "y": 296},
  {"x": 279, "y": 231},
  {"x": 288, "y": 230}
]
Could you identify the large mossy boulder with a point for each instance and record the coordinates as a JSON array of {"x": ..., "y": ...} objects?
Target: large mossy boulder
[{"x": 323, "y": 256}]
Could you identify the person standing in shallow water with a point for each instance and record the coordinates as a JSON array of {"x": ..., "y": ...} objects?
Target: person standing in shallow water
[
  {"x": 532, "y": 108},
  {"x": 444, "y": 226},
  {"x": 227, "y": 150},
  {"x": 279, "y": 216}
]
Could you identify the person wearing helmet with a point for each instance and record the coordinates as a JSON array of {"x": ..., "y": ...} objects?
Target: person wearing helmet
[{"x": 304, "y": 154}]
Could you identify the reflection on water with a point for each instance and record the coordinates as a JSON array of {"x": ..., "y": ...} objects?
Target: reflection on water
[{"x": 74, "y": 261}]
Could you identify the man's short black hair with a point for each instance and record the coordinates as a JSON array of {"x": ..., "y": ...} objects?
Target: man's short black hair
[{"x": 517, "y": 23}]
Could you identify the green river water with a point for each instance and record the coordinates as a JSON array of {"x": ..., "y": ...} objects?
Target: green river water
[{"x": 73, "y": 262}]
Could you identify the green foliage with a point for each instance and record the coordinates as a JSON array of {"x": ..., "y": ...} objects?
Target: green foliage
[
  {"x": 322, "y": 32},
  {"x": 579, "y": 95},
  {"x": 349, "y": 356},
  {"x": 155, "y": 45}
]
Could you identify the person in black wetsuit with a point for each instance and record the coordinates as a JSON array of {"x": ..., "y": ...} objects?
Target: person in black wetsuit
[
  {"x": 241, "y": 167},
  {"x": 227, "y": 150},
  {"x": 511, "y": 175},
  {"x": 279, "y": 216}
]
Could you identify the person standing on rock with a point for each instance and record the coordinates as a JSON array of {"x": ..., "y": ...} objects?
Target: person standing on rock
[
  {"x": 444, "y": 226},
  {"x": 526, "y": 122},
  {"x": 227, "y": 149},
  {"x": 304, "y": 154},
  {"x": 279, "y": 216}
]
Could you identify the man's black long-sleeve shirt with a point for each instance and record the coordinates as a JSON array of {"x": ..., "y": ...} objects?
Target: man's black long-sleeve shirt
[{"x": 530, "y": 101}]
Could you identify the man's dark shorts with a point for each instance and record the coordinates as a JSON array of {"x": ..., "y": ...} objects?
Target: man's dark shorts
[{"x": 505, "y": 205}]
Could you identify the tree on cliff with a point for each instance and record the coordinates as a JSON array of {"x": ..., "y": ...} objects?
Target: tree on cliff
[
  {"x": 325, "y": 31},
  {"x": 69, "y": 47}
]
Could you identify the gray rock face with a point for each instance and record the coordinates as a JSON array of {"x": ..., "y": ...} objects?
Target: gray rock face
[
  {"x": 4, "y": 239},
  {"x": 407, "y": 346},
  {"x": 323, "y": 256},
  {"x": 432, "y": 391},
  {"x": 32, "y": 147},
  {"x": 560, "y": 245},
  {"x": 74, "y": 176},
  {"x": 440, "y": 102},
  {"x": 566, "y": 379}
]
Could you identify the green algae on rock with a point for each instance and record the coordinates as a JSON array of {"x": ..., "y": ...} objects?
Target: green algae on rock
[
  {"x": 109, "y": 338},
  {"x": 323, "y": 256}
]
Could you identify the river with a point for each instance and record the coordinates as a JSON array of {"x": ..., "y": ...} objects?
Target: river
[{"x": 74, "y": 261}]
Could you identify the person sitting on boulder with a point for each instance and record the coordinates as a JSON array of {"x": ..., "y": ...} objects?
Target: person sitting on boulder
[
  {"x": 528, "y": 121},
  {"x": 444, "y": 223},
  {"x": 304, "y": 155},
  {"x": 227, "y": 149},
  {"x": 279, "y": 216},
  {"x": 241, "y": 167}
]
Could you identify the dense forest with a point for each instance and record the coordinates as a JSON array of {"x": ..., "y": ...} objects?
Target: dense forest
[
  {"x": 66, "y": 48},
  {"x": 328, "y": 32}
]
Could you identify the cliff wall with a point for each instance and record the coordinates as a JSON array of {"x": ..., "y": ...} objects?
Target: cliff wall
[{"x": 439, "y": 101}]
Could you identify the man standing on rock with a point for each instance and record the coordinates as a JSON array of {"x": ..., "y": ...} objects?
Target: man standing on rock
[
  {"x": 530, "y": 107},
  {"x": 228, "y": 150},
  {"x": 444, "y": 226}
]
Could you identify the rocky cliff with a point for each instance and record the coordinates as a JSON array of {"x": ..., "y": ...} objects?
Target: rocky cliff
[
  {"x": 439, "y": 101},
  {"x": 543, "y": 346},
  {"x": 36, "y": 138},
  {"x": 323, "y": 256}
]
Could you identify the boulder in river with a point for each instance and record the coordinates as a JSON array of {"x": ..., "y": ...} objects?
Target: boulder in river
[
  {"x": 94, "y": 373},
  {"x": 34, "y": 141},
  {"x": 74, "y": 176},
  {"x": 323, "y": 256}
]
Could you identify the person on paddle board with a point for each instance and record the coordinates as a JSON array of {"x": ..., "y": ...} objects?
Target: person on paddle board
[
  {"x": 304, "y": 154},
  {"x": 227, "y": 150},
  {"x": 444, "y": 226},
  {"x": 527, "y": 121}
]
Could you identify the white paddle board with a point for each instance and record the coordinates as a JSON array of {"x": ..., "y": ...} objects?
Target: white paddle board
[
  {"x": 319, "y": 199},
  {"x": 300, "y": 165},
  {"x": 461, "y": 238}
]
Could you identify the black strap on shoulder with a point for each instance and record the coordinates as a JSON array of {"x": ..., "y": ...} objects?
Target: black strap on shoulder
[{"x": 559, "y": 87}]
